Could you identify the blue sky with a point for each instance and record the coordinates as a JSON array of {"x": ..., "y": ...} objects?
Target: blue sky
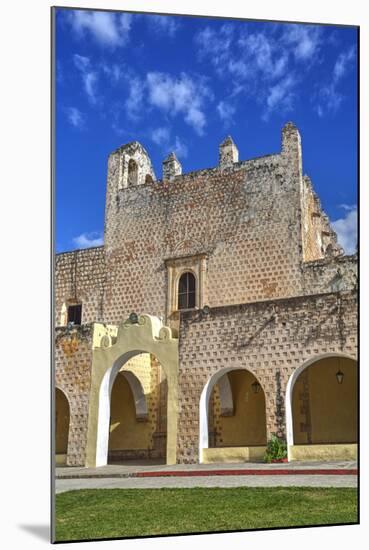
[{"x": 183, "y": 84}]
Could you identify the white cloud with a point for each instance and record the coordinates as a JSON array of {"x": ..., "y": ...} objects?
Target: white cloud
[
  {"x": 87, "y": 240},
  {"x": 108, "y": 29},
  {"x": 179, "y": 147},
  {"x": 263, "y": 65},
  {"x": 88, "y": 75},
  {"x": 181, "y": 95},
  {"x": 135, "y": 98},
  {"x": 239, "y": 69},
  {"x": 216, "y": 44},
  {"x": 347, "y": 207},
  {"x": 164, "y": 24},
  {"x": 329, "y": 96},
  {"x": 343, "y": 63},
  {"x": 304, "y": 39},
  {"x": 162, "y": 137},
  {"x": 280, "y": 96},
  {"x": 114, "y": 71},
  {"x": 226, "y": 112},
  {"x": 75, "y": 117},
  {"x": 90, "y": 81},
  {"x": 81, "y": 62},
  {"x": 346, "y": 229},
  {"x": 330, "y": 99},
  {"x": 263, "y": 54}
]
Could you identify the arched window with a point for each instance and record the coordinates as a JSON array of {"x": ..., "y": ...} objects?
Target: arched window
[
  {"x": 132, "y": 173},
  {"x": 187, "y": 291},
  {"x": 148, "y": 179}
]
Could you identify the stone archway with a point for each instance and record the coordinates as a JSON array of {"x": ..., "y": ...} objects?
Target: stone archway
[
  {"x": 244, "y": 417},
  {"x": 113, "y": 348},
  {"x": 62, "y": 421},
  {"x": 321, "y": 409}
]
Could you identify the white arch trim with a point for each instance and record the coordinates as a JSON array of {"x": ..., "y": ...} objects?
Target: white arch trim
[
  {"x": 289, "y": 391},
  {"x": 103, "y": 422},
  {"x": 204, "y": 407}
]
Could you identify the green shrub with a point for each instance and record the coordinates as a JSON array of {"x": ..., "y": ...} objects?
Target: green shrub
[{"x": 276, "y": 449}]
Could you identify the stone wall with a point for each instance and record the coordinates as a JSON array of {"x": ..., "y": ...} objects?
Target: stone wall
[
  {"x": 270, "y": 339},
  {"x": 244, "y": 217},
  {"x": 79, "y": 278},
  {"x": 318, "y": 238},
  {"x": 330, "y": 274},
  {"x": 73, "y": 356},
  {"x": 254, "y": 223}
]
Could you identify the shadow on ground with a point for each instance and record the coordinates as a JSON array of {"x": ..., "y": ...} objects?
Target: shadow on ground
[{"x": 40, "y": 531}]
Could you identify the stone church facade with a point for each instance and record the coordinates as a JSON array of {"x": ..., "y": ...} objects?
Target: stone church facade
[{"x": 219, "y": 311}]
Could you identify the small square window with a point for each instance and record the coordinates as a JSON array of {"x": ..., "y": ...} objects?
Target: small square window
[{"x": 75, "y": 314}]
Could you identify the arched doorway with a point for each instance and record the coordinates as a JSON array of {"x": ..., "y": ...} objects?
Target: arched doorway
[
  {"x": 321, "y": 409},
  {"x": 138, "y": 412},
  {"x": 62, "y": 419},
  {"x": 232, "y": 417},
  {"x": 113, "y": 347}
]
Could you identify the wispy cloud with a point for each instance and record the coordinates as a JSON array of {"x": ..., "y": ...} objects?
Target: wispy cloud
[
  {"x": 89, "y": 76},
  {"x": 215, "y": 45},
  {"x": 106, "y": 28},
  {"x": 179, "y": 147},
  {"x": 164, "y": 24},
  {"x": 87, "y": 240},
  {"x": 226, "y": 112},
  {"x": 162, "y": 137},
  {"x": 346, "y": 229},
  {"x": 280, "y": 96},
  {"x": 305, "y": 40},
  {"x": 343, "y": 64},
  {"x": 179, "y": 95},
  {"x": 75, "y": 117},
  {"x": 251, "y": 62},
  {"x": 113, "y": 71},
  {"x": 269, "y": 66},
  {"x": 134, "y": 101},
  {"x": 264, "y": 55},
  {"x": 329, "y": 96}
]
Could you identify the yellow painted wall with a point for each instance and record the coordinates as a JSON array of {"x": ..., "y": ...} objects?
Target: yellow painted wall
[
  {"x": 327, "y": 453},
  {"x": 61, "y": 422},
  {"x": 233, "y": 454},
  {"x": 332, "y": 407},
  {"x": 248, "y": 425},
  {"x": 125, "y": 431}
]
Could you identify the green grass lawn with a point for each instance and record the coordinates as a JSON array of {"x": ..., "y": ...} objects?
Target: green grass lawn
[{"x": 109, "y": 513}]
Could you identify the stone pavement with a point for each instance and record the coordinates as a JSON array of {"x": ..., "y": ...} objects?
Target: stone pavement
[
  {"x": 144, "y": 475},
  {"x": 62, "y": 485},
  {"x": 151, "y": 468}
]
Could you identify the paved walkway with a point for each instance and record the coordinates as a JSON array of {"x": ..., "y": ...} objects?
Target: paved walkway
[
  {"x": 145, "y": 475},
  {"x": 62, "y": 485},
  {"x": 152, "y": 469}
]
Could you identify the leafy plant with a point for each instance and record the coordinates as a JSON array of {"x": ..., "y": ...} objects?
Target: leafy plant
[{"x": 276, "y": 449}]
